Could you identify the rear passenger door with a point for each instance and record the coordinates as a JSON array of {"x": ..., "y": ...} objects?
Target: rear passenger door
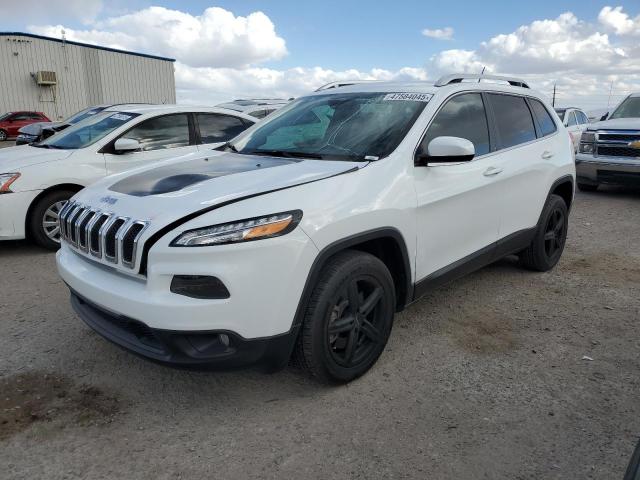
[
  {"x": 458, "y": 204},
  {"x": 527, "y": 140},
  {"x": 215, "y": 129},
  {"x": 160, "y": 138}
]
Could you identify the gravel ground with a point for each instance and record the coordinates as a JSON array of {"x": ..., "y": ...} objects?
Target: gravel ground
[
  {"x": 484, "y": 378},
  {"x": 7, "y": 144}
]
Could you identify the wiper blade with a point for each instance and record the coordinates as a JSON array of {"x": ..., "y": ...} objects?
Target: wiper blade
[
  {"x": 286, "y": 154},
  {"x": 227, "y": 146}
]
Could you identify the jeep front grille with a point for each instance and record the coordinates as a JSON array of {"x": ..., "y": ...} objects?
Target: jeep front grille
[{"x": 103, "y": 235}]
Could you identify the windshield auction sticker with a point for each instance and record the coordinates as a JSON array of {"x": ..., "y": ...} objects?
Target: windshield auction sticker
[{"x": 411, "y": 97}]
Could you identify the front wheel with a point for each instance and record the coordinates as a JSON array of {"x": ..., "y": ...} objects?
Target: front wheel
[
  {"x": 3, "y": 135},
  {"x": 43, "y": 221},
  {"x": 548, "y": 243},
  {"x": 348, "y": 318}
]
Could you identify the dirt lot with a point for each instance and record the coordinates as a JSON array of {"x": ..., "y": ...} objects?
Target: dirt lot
[
  {"x": 484, "y": 378},
  {"x": 7, "y": 144}
]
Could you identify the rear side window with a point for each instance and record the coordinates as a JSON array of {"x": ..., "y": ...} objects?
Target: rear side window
[
  {"x": 463, "y": 116},
  {"x": 513, "y": 120},
  {"x": 167, "y": 131},
  {"x": 547, "y": 125},
  {"x": 216, "y": 128},
  {"x": 582, "y": 118}
]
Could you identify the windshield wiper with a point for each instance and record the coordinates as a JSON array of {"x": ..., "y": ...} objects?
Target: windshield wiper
[
  {"x": 227, "y": 146},
  {"x": 285, "y": 154}
]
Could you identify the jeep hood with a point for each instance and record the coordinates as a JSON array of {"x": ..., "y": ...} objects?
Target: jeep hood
[
  {"x": 174, "y": 190},
  {"x": 617, "y": 124},
  {"x": 13, "y": 159}
]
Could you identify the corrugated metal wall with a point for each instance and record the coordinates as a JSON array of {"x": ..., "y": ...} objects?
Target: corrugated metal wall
[{"x": 86, "y": 76}]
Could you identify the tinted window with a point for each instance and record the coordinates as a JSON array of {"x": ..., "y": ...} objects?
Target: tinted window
[
  {"x": 513, "y": 120},
  {"x": 463, "y": 116},
  {"x": 571, "y": 121},
  {"x": 167, "y": 131},
  {"x": 547, "y": 126},
  {"x": 22, "y": 116},
  {"x": 629, "y": 108},
  {"x": 219, "y": 128}
]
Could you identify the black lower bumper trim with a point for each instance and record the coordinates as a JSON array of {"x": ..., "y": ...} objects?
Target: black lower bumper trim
[{"x": 214, "y": 350}]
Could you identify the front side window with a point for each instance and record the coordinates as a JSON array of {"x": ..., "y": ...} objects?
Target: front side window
[
  {"x": 88, "y": 131},
  {"x": 630, "y": 108},
  {"x": 513, "y": 120},
  {"x": 547, "y": 125},
  {"x": 582, "y": 118},
  {"x": 219, "y": 128},
  {"x": 463, "y": 116},
  {"x": 166, "y": 131},
  {"x": 572, "y": 120},
  {"x": 344, "y": 126}
]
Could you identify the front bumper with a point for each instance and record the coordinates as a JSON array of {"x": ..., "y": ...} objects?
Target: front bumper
[
  {"x": 186, "y": 349},
  {"x": 13, "y": 213},
  {"x": 607, "y": 170}
]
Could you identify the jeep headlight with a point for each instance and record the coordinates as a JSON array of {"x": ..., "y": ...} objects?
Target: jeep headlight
[
  {"x": 588, "y": 142},
  {"x": 6, "y": 179},
  {"x": 258, "y": 228}
]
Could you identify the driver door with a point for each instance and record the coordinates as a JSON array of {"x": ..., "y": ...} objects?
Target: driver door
[
  {"x": 160, "y": 138},
  {"x": 458, "y": 204}
]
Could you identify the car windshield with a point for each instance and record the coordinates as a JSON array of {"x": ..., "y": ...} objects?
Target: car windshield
[
  {"x": 344, "y": 126},
  {"x": 630, "y": 108},
  {"x": 81, "y": 115},
  {"x": 88, "y": 131}
]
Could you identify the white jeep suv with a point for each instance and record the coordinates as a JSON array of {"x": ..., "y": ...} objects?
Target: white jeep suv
[
  {"x": 36, "y": 180},
  {"x": 310, "y": 230}
]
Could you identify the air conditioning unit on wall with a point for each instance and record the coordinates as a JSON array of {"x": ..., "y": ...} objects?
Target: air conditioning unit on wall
[{"x": 46, "y": 78}]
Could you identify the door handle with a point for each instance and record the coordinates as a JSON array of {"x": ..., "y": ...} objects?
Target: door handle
[
  {"x": 491, "y": 171},
  {"x": 546, "y": 155}
]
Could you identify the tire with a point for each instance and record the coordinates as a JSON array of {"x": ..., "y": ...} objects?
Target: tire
[
  {"x": 3, "y": 136},
  {"x": 350, "y": 278},
  {"x": 547, "y": 245},
  {"x": 585, "y": 187},
  {"x": 45, "y": 210}
]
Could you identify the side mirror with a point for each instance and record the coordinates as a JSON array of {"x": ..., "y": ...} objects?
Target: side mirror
[
  {"x": 604, "y": 117},
  {"x": 124, "y": 145},
  {"x": 447, "y": 150}
]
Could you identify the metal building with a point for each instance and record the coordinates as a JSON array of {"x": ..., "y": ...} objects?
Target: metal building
[{"x": 60, "y": 77}]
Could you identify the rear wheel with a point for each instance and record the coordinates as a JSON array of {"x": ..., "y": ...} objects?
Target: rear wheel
[
  {"x": 586, "y": 187},
  {"x": 348, "y": 318},
  {"x": 43, "y": 222},
  {"x": 548, "y": 244}
]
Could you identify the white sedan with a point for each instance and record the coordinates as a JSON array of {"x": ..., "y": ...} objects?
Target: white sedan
[{"x": 36, "y": 180}]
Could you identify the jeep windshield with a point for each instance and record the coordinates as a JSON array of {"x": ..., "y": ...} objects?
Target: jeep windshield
[
  {"x": 87, "y": 131},
  {"x": 345, "y": 126},
  {"x": 630, "y": 108}
]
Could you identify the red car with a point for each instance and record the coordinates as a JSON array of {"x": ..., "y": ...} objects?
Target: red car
[{"x": 11, "y": 122}]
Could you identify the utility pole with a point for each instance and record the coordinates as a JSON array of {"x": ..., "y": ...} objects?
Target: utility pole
[
  {"x": 553, "y": 103},
  {"x": 610, "y": 92}
]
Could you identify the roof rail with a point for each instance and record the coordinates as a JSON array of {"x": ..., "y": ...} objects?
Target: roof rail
[{"x": 459, "y": 77}]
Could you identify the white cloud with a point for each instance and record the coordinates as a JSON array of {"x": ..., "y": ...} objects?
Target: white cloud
[
  {"x": 618, "y": 21},
  {"x": 221, "y": 56},
  {"x": 439, "y": 33},
  {"x": 215, "y": 85},
  {"x": 216, "y": 38},
  {"x": 35, "y": 11}
]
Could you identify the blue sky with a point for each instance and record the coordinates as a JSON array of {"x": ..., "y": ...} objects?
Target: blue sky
[{"x": 228, "y": 48}]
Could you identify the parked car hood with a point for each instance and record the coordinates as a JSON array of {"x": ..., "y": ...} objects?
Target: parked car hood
[
  {"x": 174, "y": 190},
  {"x": 617, "y": 124},
  {"x": 13, "y": 159},
  {"x": 36, "y": 128}
]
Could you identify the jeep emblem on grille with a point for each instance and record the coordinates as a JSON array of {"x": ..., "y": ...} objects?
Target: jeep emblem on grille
[{"x": 109, "y": 200}]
